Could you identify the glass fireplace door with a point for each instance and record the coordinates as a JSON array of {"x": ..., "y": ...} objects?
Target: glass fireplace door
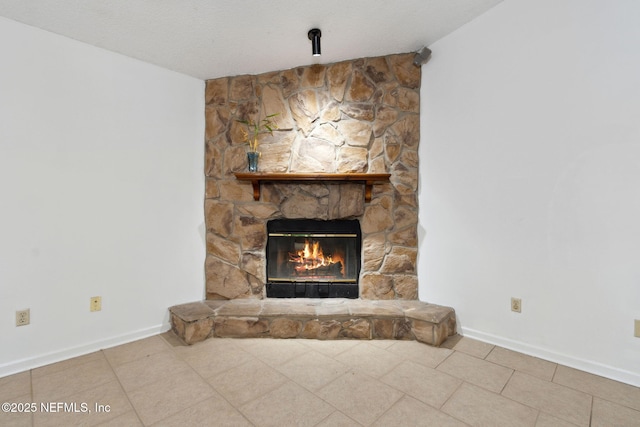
[{"x": 312, "y": 253}]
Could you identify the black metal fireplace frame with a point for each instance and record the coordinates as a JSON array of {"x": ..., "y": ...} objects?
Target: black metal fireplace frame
[{"x": 310, "y": 289}]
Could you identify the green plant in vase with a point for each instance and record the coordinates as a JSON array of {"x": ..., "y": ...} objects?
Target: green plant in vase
[{"x": 251, "y": 136}]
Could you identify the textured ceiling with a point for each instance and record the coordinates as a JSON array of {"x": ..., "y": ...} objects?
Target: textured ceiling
[{"x": 216, "y": 38}]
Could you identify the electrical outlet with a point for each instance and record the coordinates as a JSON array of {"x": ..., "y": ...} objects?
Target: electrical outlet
[
  {"x": 516, "y": 305},
  {"x": 95, "y": 304},
  {"x": 637, "y": 328},
  {"x": 23, "y": 317}
]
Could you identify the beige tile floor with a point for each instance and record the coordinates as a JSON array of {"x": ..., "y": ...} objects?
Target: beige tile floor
[{"x": 265, "y": 382}]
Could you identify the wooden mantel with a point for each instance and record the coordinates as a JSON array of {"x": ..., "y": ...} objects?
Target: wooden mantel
[{"x": 258, "y": 177}]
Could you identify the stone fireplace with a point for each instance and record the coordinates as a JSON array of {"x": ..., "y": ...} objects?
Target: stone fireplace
[
  {"x": 349, "y": 118},
  {"x": 359, "y": 116}
]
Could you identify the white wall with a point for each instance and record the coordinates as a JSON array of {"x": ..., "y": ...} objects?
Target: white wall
[
  {"x": 530, "y": 180},
  {"x": 101, "y": 192}
]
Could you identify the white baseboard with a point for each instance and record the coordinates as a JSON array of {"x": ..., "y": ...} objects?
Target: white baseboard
[
  {"x": 595, "y": 368},
  {"x": 60, "y": 355}
]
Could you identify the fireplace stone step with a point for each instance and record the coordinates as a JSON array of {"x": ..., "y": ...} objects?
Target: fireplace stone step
[{"x": 332, "y": 318}]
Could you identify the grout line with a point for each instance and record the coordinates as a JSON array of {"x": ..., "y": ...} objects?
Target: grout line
[
  {"x": 32, "y": 415},
  {"x": 462, "y": 382},
  {"x": 513, "y": 371},
  {"x": 172, "y": 350},
  {"x": 540, "y": 411},
  {"x": 338, "y": 411},
  {"x": 135, "y": 411},
  {"x": 553, "y": 376},
  {"x": 237, "y": 409},
  {"x": 537, "y": 417},
  {"x": 489, "y": 352},
  {"x": 404, "y": 395},
  {"x": 603, "y": 397},
  {"x": 445, "y": 359}
]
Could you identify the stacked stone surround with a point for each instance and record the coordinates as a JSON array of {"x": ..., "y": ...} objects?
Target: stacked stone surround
[
  {"x": 313, "y": 318},
  {"x": 352, "y": 116}
]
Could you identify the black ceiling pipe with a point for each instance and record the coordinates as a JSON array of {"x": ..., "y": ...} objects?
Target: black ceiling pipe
[{"x": 314, "y": 35}]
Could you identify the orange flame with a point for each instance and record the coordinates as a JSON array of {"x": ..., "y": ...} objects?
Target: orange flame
[{"x": 311, "y": 257}]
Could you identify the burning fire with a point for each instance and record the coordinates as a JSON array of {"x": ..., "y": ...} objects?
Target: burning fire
[{"x": 311, "y": 258}]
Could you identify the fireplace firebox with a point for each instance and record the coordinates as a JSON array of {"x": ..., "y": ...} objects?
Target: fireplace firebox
[{"x": 313, "y": 259}]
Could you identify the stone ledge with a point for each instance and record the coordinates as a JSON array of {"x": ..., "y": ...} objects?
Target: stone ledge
[{"x": 333, "y": 318}]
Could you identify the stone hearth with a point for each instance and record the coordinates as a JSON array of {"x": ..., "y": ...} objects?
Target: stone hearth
[{"x": 313, "y": 318}]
